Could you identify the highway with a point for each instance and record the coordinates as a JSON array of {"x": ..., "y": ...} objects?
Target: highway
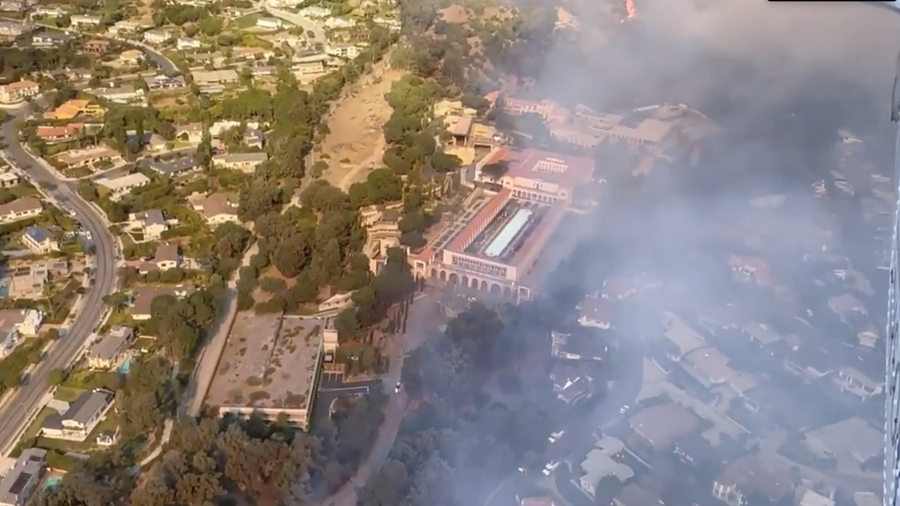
[{"x": 26, "y": 400}]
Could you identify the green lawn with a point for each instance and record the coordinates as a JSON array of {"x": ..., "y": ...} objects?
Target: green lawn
[
  {"x": 248, "y": 21},
  {"x": 67, "y": 394}
]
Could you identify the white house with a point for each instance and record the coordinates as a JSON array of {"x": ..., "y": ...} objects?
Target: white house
[
  {"x": 109, "y": 350},
  {"x": 119, "y": 187},
  {"x": 151, "y": 224},
  {"x": 217, "y": 209},
  {"x": 20, "y": 209},
  {"x": 40, "y": 240},
  {"x": 79, "y": 20},
  {"x": 18, "y": 91},
  {"x": 244, "y": 162},
  {"x": 188, "y": 43},
  {"x": 157, "y": 36}
]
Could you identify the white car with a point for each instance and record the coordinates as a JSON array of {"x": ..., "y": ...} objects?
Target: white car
[
  {"x": 623, "y": 410},
  {"x": 550, "y": 467},
  {"x": 555, "y": 436}
]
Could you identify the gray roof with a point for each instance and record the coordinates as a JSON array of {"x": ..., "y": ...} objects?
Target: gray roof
[
  {"x": 29, "y": 463},
  {"x": 173, "y": 167},
  {"x": 152, "y": 217},
  {"x": 111, "y": 344},
  {"x": 86, "y": 406}
]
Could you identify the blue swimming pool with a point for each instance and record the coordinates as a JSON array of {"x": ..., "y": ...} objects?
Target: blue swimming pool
[
  {"x": 126, "y": 366},
  {"x": 52, "y": 483}
]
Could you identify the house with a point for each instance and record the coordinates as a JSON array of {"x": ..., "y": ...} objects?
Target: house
[
  {"x": 254, "y": 138},
  {"x": 123, "y": 28},
  {"x": 161, "y": 82},
  {"x": 811, "y": 498},
  {"x": 48, "y": 11},
  {"x": 121, "y": 186},
  {"x": 13, "y": 29},
  {"x": 20, "y": 482},
  {"x": 188, "y": 43},
  {"x": 18, "y": 91},
  {"x": 809, "y": 362},
  {"x": 119, "y": 95},
  {"x": 662, "y": 425},
  {"x": 751, "y": 269},
  {"x": 28, "y": 282},
  {"x": 20, "y": 209},
  {"x": 217, "y": 209},
  {"x": 166, "y": 257},
  {"x": 694, "y": 450},
  {"x": 747, "y": 477},
  {"x": 259, "y": 71},
  {"x": 50, "y": 39},
  {"x": 314, "y": 12},
  {"x": 596, "y": 312},
  {"x": 868, "y": 337},
  {"x": 846, "y": 305},
  {"x": 72, "y": 108},
  {"x": 175, "y": 167},
  {"x": 40, "y": 240},
  {"x": 213, "y": 77},
  {"x": 109, "y": 351},
  {"x": 192, "y": 132},
  {"x": 269, "y": 23},
  {"x": 16, "y": 324},
  {"x": 75, "y": 158},
  {"x": 51, "y": 134},
  {"x": 853, "y": 381},
  {"x": 96, "y": 46},
  {"x": 336, "y": 23},
  {"x": 244, "y": 162},
  {"x": 348, "y": 51},
  {"x": 852, "y": 439},
  {"x": 569, "y": 347},
  {"x": 151, "y": 224},
  {"x": 141, "y": 307},
  {"x": 157, "y": 36},
  {"x": 622, "y": 288},
  {"x": 310, "y": 65},
  {"x": 131, "y": 57},
  {"x": 83, "y": 415},
  {"x": 570, "y": 386},
  {"x": 81, "y": 21},
  {"x": 636, "y": 495},
  {"x": 9, "y": 179},
  {"x": 599, "y": 464}
]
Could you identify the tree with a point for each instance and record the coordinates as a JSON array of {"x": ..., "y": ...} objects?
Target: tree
[
  {"x": 347, "y": 324},
  {"x": 56, "y": 377}
]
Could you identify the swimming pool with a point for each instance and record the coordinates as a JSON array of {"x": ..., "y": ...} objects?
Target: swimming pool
[
  {"x": 52, "y": 483},
  {"x": 126, "y": 366}
]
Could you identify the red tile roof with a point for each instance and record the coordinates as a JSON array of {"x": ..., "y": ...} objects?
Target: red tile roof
[
  {"x": 49, "y": 132},
  {"x": 489, "y": 210},
  {"x": 563, "y": 170}
]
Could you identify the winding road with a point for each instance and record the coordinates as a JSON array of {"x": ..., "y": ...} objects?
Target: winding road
[{"x": 17, "y": 413}]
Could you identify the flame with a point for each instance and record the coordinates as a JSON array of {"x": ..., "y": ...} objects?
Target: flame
[{"x": 630, "y": 10}]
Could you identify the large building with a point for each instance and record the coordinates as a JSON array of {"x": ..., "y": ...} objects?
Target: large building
[
  {"x": 496, "y": 240},
  {"x": 644, "y": 130}
]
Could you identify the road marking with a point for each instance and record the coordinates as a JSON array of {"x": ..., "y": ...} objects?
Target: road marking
[{"x": 345, "y": 389}]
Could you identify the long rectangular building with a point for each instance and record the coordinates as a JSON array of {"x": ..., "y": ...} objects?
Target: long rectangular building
[{"x": 496, "y": 240}]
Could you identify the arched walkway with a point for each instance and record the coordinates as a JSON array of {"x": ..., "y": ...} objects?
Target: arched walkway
[
  {"x": 465, "y": 281},
  {"x": 454, "y": 279},
  {"x": 443, "y": 275},
  {"x": 507, "y": 292},
  {"x": 474, "y": 284},
  {"x": 433, "y": 273},
  {"x": 484, "y": 286},
  {"x": 495, "y": 288}
]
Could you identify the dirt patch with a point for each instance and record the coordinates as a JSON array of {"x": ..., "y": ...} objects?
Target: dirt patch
[
  {"x": 170, "y": 102},
  {"x": 145, "y": 12},
  {"x": 355, "y": 143},
  {"x": 455, "y": 14}
]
